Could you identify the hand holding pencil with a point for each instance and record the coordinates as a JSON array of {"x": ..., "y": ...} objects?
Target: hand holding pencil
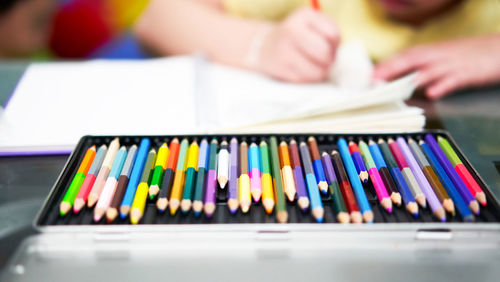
[{"x": 301, "y": 49}]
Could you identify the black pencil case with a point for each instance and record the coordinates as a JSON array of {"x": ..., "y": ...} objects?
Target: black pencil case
[{"x": 49, "y": 214}]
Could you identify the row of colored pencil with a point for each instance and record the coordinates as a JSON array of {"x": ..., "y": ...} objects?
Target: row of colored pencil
[{"x": 187, "y": 176}]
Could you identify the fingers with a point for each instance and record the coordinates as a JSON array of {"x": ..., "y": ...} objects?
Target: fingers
[
  {"x": 325, "y": 27},
  {"x": 431, "y": 73},
  {"x": 302, "y": 49},
  {"x": 314, "y": 35},
  {"x": 447, "y": 84},
  {"x": 405, "y": 62},
  {"x": 308, "y": 70},
  {"x": 314, "y": 46}
]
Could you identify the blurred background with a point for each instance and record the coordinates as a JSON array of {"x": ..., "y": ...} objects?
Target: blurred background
[{"x": 69, "y": 29}]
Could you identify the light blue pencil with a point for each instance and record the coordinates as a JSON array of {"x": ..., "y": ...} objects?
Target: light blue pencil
[
  {"x": 140, "y": 160},
  {"x": 357, "y": 187}
]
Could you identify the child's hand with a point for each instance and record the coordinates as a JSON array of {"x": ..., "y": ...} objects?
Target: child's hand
[
  {"x": 301, "y": 48},
  {"x": 448, "y": 66}
]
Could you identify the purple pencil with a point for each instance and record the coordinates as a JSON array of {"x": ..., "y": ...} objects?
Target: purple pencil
[
  {"x": 232, "y": 201},
  {"x": 329, "y": 170},
  {"x": 211, "y": 186},
  {"x": 298, "y": 176},
  {"x": 452, "y": 173},
  {"x": 436, "y": 206}
]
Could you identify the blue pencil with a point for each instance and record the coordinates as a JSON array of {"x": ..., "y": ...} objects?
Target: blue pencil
[
  {"x": 355, "y": 181},
  {"x": 452, "y": 173},
  {"x": 135, "y": 177},
  {"x": 319, "y": 171},
  {"x": 316, "y": 204},
  {"x": 398, "y": 177},
  {"x": 358, "y": 161},
  {"x": 448, "y": 184}
]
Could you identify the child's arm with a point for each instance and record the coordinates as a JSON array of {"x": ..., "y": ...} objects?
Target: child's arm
[
  {"x": 300, "y": 49},
  {"x": 448, "y": 66}
]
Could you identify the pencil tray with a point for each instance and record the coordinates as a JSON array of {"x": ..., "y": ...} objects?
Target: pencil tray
[{"x": 49, "y": 213}]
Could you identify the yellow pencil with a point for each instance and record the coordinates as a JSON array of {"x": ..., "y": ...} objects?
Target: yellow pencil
[
  {"x": 159, "y": 168},
  {"x": 244, "y": 194},
  {"x": 141, "y": 194},
  {"x": 192, "y": 168},
  {"x": 266, "y": 179}
]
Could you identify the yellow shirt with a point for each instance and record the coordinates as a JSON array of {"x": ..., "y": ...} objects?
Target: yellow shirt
[{"x": 382, "y": 37}]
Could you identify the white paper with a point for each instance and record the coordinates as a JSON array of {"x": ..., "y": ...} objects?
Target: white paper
[{"x": 57, "y": 103}]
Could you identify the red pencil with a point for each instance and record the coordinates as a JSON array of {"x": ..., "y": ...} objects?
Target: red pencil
[{"x": 346, "y": 189}]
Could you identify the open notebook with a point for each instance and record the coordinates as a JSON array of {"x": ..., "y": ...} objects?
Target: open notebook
[{"x": 57, "y": 103}]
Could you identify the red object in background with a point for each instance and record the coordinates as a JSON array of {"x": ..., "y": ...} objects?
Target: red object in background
[
  {"x": 79, "y": 28},
  {"x": 315, "y": 5}
]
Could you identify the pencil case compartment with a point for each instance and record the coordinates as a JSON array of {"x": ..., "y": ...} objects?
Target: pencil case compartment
[{"x": 49, "y": 213}]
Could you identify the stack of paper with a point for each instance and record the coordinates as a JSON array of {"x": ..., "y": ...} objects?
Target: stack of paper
[{"x": 57, "y": 103}]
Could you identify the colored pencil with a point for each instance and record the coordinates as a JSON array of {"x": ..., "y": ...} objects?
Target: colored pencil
[
  {"x": 255, "y": 175},
  {"x": 141, "y": 195},
  {"x": 436, "y": 206},
  {"x": 95, "y": 193},
  {"x": 319, "y": 171},
  {"x": 462, "y": 171},
  {"x": 160, "y": 166},
  {"x": 135, "y": 177},
  {"x": 452, "y": 174},
  {"x": 316, "y": 205},
  {"x": 110, "y": 186},
  {"x": 232, "y": 201},
  {"x": 407, "y": 173},
  {"x": 346, "y": 189},
  {"x": 179, "y": 179},
  {"x": 333, "y": 186},
  {"x": 266, "y": 179},
  {"x": 298, "y": 174},
  {"x": 356, "y": 185},
  {"x": 223, "y": 165},
  {"x": 358, "y": 162},
  {"x": 73, "y": 189},
  {"x": 211, "y": 186},
  {"x": 431, "y": 177},
  {"x": 286, "y": 171},
  {"x": 82, "y": 196},
  {"x": 279, "y": 195},
  {"x": 384, "y": 172},
  {"x": 403, "y": 189},
  {"x": 192, "y": 168},
  {"x": 461, "y": 205},
  {"x": 121, "y": 187},
  {"x": 203, "y": 158},
  {"x": 168, "y": 176},
  {"x": 244, "y": 195},
  {"x": 378, "y": 184}
]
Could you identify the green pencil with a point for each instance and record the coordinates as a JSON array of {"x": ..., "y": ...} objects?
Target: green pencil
[
  {"x": 279, "y": 195},
  {"x": 74, "y": 187}
]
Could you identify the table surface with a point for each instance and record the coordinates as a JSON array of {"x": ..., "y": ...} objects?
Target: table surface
[{"x": 472, "y": 117}]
